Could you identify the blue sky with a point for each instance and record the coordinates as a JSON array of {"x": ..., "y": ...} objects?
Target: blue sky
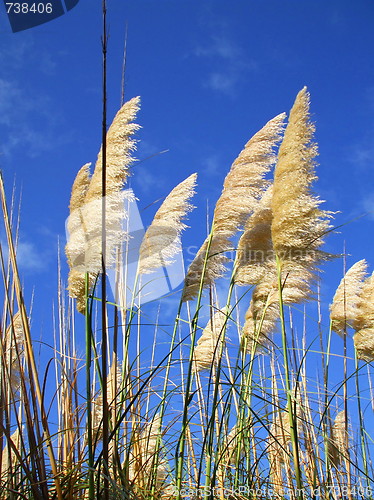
[{"x": 210, "y": 74}]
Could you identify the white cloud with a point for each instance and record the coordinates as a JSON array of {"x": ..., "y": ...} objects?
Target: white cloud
[
  {"x": 29, "y": 257},
  {"x": 27, "y": 124},
  {"x": 27, "y": 118},
  {"x": 211, "y": 165},
  {"x": 221, "y": 47},
  {"x": 222, "y": 82},
  {"x": 362, "y": 153},
  {"x": 228, "y": 64},
  {"x": 368, "y": 205},
  {"x": 146, "y": 180}
]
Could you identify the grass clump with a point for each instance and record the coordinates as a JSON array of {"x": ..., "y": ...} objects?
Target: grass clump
[{"x": 210, "y": 403}]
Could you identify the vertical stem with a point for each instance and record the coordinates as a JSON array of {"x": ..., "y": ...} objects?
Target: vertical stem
[
  {"x": 209, "y": 477},
  {"x": 293, "y": 429},
  {"x": 180, "y": 451},
  {"x": 362, "y": 424},
  {"x": 91, "y": 490},
  {"x": 326, "y": 415},
  {"x": 104, "y": 338},
  {"x": 345, "y": 374}
]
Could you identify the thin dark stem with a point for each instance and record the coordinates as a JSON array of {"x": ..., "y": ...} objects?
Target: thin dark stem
[
  {"x": 124, "y": 69},
  {"x": 104, "y": 338},
  {"x": 91, "y": 490}
]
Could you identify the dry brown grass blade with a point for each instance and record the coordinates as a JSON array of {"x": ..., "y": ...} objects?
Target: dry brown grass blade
[{"x": 29, "y": 353}]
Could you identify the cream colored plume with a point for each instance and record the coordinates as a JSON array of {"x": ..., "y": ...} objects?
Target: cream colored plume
[
  {"x": 364, "y": 343},
  {"x": 114, "y": 386},
  {"x": 209, "y": 344},
  {"x": 365, "y": 306},
  {"x": 256, "y": 265},
  {"x": 161, "y": 241},
  {"x": 255, "y": 248},
  {"x": 77, "y": 240},
  {"x": 298, "y": 223},
  {"x": 233, "y": 441},
  {"x": 344, "y": 308},
  {"x": 9, "y": 459},
  {"x": 338, "y": 442},
  {"x": 279, "y": 437},
  {"x": 207, "y": 265},
  {"x": 353, "y": 306},
  {"x": 243, "y": 187},
  {"x": 245, "y": 183},
  {"x": 119, "y": 147},
  {"x": 150, "y": 442},
  {"x": 263, "y": 312},
  {"x": 260, "y": 323},
  {"x": 14, "y": 350},
  {"x": 278, "y": 450},
  {"x": 84, "y": 247},
  {"x": 287, "y": 223},
  {"x": 364, "y": 321}
]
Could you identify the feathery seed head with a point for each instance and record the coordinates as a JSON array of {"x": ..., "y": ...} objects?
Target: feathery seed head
[
  {"x": 365, "y": 314},
  {"x": 344, "y": 308},
  {"x": 214, "y": 261},
  {"x": 298, "y": 223},
  {"x": 260, "y": 323},
  {"x": 338, "y": 442},
  {"x": 255, "y": 248},
  {"x": 243, "y": 187},
  {"x": 364, "y": 344},
  {"x": 84, "y": 248},
  {"x": 76, "y": 241},
  {"x": 363, "y": 321},
  {"x": 119, "y": 147},
  {"x": 14, "y": 349},
  {"x": 208, "y": 345},
  {"x": 161, "y": 241},
  {"x": 279, "y": 437},
  {"x": 80, "y": 187}
]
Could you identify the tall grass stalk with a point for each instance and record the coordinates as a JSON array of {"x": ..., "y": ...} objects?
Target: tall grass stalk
[
  {"x": 104, "y": 331},
  {"x": 89, "y": 340},
  {"x": 35, "y": 388},
  {"x": 291, "y": 404},
  {"x": 180, "y": 451}
]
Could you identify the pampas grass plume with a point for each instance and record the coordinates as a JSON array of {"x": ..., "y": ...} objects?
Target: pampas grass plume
[
  {"x": 84, "y": 247},
  {"x": 298, "y": 223},
  {"x": 338, "y": 442},
  {"x": 344, "y": 308},
  {"x": 255, "y": 247},
  {"x": 14, "y": 342},
  {"x": 162, "y": 239},
  {"x": 243, "y": 187},
  {"x": 120, "y": 145},
  {"x": 208, "y": 344},
  {"x": 364, "y": 321}
]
